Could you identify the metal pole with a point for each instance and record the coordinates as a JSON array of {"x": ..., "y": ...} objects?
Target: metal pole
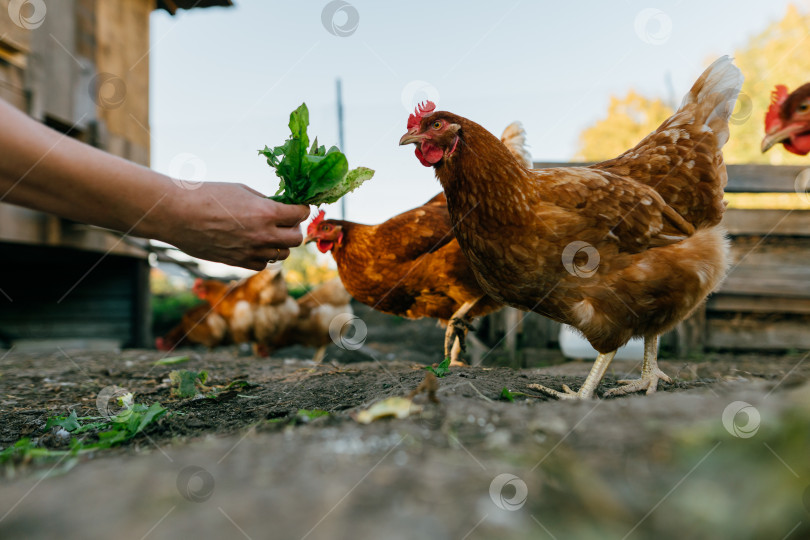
[{"x": 341, "y": 142}]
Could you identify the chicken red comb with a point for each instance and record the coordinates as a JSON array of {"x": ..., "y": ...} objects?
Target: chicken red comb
[
  {"x": 313, "y": 225},
  {"x": 199, "y": 288},
  {"x": 422, "y": 109},
  {"x": 778, "y": 97}
]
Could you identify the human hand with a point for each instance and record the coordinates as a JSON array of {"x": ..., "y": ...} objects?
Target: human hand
[{"x": 228, "y": 223}]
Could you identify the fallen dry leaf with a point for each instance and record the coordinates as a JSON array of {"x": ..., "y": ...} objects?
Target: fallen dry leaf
[{"x": 398, "y": 407}]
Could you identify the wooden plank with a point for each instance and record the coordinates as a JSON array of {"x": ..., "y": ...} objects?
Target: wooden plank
[
  {"x": 720, "y": 302},
  {"x": 773, "y": 251},
  {"x": 756, "y": 334},
  {"x": 787, "y": 283},
  {"x": 741, "y": 178},
  {"x": 770, "y": 222},
  {"x": 12, "y": 86},
  {"x": 763, "y": 178},
  {"x": 23, "y": 226}
]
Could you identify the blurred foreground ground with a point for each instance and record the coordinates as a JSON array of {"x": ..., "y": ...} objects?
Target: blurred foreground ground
[{"x": 250, "y": 464}]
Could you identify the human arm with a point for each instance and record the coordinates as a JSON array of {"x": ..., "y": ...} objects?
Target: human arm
[{"x": 44, "y": 170}]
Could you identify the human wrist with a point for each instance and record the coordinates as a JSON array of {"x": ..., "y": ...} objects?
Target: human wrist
[{"x": 166, "y": 211}]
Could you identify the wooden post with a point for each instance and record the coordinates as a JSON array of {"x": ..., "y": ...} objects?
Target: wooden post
[{"x": 692, "y": 333}]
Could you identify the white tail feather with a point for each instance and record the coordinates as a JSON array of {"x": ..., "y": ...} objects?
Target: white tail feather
[
  {"x": 514, "y": 137},
  {"x": 713, "y": 97}
]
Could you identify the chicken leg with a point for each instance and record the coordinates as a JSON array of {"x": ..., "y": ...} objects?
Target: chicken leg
[
  {"x": 319, "y": 354},
  {"x": 598, "y": 370},
  {"x": 456, "y": 332},
  {"x": 650, "y": 374}
]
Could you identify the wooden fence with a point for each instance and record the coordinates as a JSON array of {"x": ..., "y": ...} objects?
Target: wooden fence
[{"x": 764, "y": 303}]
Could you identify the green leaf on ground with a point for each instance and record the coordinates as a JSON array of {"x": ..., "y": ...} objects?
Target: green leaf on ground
[
  {"x": 172, "y": 360},
  {"x": 440, "y": 370},
  {"x": 187, "y": 383}
]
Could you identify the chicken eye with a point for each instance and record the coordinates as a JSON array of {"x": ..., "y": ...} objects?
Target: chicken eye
[
  {"x": 437, "y": 124},
  {"x": 803, "y": 107}
]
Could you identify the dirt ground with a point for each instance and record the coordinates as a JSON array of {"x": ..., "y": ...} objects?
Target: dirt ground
[{"x": 723, "y": 452}]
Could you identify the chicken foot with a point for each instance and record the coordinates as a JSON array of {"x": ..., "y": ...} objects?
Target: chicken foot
[
  {"x": 650, "y": 374},
  {"x": 598, "y": 370},
  {"x": 456, "y": 332}
]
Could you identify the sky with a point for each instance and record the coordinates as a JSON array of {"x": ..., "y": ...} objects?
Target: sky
[{"x": 223, "y": 81}]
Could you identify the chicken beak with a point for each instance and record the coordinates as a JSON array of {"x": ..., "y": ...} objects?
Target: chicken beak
[
  {"x": 776, "y": 137},
  {"x": 309, "y": 239},
  {"x": 410, "y": 137}
]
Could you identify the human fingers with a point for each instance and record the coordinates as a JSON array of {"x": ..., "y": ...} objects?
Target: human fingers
[
  {"x": 290, "y": 215},
  {"x": 286, "y": 237}
]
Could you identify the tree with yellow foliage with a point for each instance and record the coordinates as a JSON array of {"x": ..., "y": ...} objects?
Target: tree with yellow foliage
[{"x": 629, "y": 120}]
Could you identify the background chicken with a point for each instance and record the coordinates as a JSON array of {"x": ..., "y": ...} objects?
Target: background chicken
[
  {"x": 199, "y": 325},
  {"x": 627, "y": 247},
  {"x": 317, "y": 310},
  {"x": 411, "y": 265},
  {"x": 256, "y": 309},
  {"x": 788, "y": 120}
]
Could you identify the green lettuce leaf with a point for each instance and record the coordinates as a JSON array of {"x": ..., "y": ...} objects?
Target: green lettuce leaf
[{"x": 318, "y": 176}]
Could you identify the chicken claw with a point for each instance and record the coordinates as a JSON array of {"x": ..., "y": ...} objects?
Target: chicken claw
[
  {"x": 648, "y": 382},
  {"x": 457, "y": 327},
  {"x": 587, "y": 389},
  {"x": 567, "y": 393},
  {"x": 650, "y": 374},
  {"x": 460, "y": 328}
]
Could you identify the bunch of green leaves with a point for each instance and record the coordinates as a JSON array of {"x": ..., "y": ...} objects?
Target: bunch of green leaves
[
  {"x": 318, "y": 176},
  {"x": 440, "y": 370}
]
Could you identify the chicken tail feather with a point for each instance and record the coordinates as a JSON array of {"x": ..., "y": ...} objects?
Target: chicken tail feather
[
  {"x": 714, "y": 95},
  {"x": 514, "y": 137}
]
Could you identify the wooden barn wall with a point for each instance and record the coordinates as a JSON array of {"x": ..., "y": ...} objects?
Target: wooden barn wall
[
  {"x": 122, "y": 53},
  {"x": 111, "y": 299},
  {"x": 87, "y": 68},
  {"x": 15, "y": 44}
]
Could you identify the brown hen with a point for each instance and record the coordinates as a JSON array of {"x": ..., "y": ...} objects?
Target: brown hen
[
  {"x": 411, "y": 265},
  {"x": 628, "y": 247},
  {"x": 324, "y": 315}
]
